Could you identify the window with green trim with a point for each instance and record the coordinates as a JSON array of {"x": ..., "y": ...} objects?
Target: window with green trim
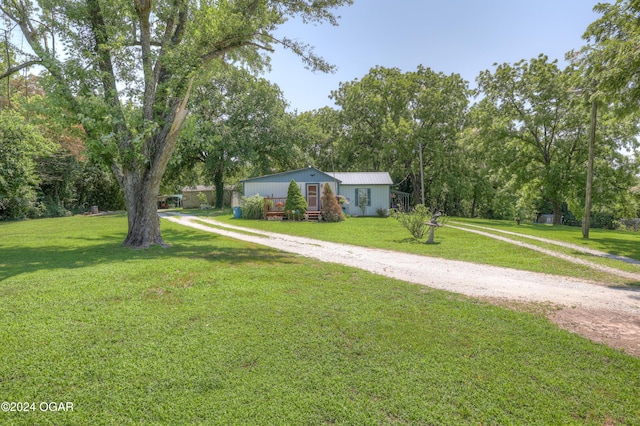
[{"x": 363, "y": 196}]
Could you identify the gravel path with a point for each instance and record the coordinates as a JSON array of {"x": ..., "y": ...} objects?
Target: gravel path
[
  {"x": 592, "y": 265},
  {"x": 460, "y": 277},
  {"x": 575, "y": 247}
]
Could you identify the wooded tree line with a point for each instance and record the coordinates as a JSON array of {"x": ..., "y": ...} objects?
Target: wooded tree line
[{"x": 132, "y": 90}]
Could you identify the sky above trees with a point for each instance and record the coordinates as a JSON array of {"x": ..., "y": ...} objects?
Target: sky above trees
[{"x": 460, "y": 36}]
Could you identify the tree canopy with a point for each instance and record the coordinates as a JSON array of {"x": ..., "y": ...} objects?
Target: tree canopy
[
  {"x": 237, "y": 122},
  {"x": 126, "y": 70}
]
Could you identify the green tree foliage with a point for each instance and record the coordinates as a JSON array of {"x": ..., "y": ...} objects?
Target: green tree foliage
[
  {"x": 611, "y": 60},
  {"x": 389, "y": 118},
  {"x": 320, "y": 131},
  {"x": 534, "y": 130},
  {"x": 70, "y": 178},
  {"x": 331, "y": 210},
  {"x": 21, "y": 145},
  {"x": 536, "y": 133},
  {"x": 127, "y": 69},
  {"x": 295, "y": 206},
  {"x": 237, "y": 121},
  {"x": 610, "y": 65}
]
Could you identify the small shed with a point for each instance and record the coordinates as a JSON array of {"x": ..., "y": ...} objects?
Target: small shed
[
  {"x": 190, "y": 198},
  {"x": 374, "y": 188}
]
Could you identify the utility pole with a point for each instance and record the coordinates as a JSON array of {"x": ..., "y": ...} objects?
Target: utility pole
[
  {"x": 586, "y": 220},
  {"x": 421, "y": 171}
]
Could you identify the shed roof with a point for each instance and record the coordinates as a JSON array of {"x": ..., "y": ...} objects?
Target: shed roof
[
  {"x": 197, "y": 188},
  {"x": 363, "y": 178}
]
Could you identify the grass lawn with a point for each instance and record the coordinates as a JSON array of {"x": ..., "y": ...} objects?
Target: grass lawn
[
  {"x": 215, "y": 331},
  {"x": 622, "y": 243},
  {"x": 456, "y": 244}
]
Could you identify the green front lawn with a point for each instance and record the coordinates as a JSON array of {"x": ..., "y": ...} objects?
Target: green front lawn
[{"x": 216, "y": 331}]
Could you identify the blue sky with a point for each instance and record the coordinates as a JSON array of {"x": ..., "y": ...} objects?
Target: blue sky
[{"x": 451, "y": 36}]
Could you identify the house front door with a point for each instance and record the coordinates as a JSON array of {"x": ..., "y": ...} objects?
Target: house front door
[{"x": 312, "y": 197}]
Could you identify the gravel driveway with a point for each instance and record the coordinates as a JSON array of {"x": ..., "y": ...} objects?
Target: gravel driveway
[{"x": 467, "y": 278}]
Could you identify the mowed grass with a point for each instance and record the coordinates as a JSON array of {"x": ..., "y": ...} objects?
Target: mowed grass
[
  {"x": 215, "y": 331},
  {"x": 451, "y": 243},
  {"x": 616, "y": 242}
]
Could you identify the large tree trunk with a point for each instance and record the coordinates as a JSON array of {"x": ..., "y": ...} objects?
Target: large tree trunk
[
  {"x": 142, "y": 212},
  {"x": 473, "y": 204},
  {"x": 557, "y": 214},
  {"x": 218, "y": 183},
  {"x": 141, "y": 187}
]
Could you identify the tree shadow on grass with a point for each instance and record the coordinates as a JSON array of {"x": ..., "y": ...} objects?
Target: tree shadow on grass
[
  {"x": 620, "y": 247},
  {"x": 81, "y": 252},
  {"x": 415, "y": 241}
]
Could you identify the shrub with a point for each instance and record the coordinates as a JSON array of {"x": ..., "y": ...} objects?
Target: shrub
[
  {"x": 630, "y": 224},
  {"x": 381, "y": 212},
  {"x": 253, "y": 207},
  {"x": 415, "y": 221},
  {"x": 331, "y": 210},
  {"x": 295, "y": 206}
]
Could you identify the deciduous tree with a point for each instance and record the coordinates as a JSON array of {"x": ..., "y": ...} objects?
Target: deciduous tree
[
  {"x": 126, "y": 68},
  {"x": 537, "y": 134},
  {"x": 21, "y": 144},
  {"x": 237, "y": 121}
]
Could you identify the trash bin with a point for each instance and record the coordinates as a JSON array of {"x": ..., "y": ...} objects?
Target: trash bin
[{"x": 237, "y": 212}]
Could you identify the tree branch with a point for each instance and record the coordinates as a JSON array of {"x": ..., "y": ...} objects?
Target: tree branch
[
  {"x": 17, "y": 68},
  {"x": 232, "y": 44}
]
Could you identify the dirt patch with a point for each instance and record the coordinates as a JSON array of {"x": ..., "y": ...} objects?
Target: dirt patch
[
  {"x": 617, "y": 329},
  {"x": 620, "y": 330}
]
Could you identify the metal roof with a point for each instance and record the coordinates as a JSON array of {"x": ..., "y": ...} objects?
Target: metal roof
[
  {"x": 362, "y": 178},
  {"x": 308, "y": 174}
]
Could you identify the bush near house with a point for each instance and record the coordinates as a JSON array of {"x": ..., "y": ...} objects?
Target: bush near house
[
  {"x": 253, "y": 207},
  {"x": 415, "y": 221},
  {"x": 296, "y": 206},
  {"x": 331, "y": 210}
]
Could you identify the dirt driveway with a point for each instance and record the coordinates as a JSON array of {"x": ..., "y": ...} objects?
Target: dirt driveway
[{"x": 603, "y": 314}]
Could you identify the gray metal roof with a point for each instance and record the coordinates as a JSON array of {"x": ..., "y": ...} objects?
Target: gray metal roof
[{"x": 362, "y": 178}]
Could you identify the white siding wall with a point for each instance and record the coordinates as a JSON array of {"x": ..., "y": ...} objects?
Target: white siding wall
[
  {"x": 379, "y": 198},
  {"x": 266, "y": 189}
]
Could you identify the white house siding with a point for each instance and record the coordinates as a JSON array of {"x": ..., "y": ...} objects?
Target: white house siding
[
  {"x": 379, "y": 198},
  {"x": 266, "y": 189}
]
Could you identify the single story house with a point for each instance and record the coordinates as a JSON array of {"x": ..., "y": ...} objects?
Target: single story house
[{"x": 372, "y": 188}]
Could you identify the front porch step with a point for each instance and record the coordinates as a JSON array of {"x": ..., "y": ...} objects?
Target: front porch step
[{"x": 312, "y": 216}]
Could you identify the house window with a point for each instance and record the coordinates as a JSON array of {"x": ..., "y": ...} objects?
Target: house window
[{"x": 363, "y": 196}]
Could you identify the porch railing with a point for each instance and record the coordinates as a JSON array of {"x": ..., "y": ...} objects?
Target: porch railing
[{"x": 274, "y": 205}]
